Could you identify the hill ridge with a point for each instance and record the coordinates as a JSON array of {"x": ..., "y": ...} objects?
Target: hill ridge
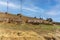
[{"x": 19, "y": 18}]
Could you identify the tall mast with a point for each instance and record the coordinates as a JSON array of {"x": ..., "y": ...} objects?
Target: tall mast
[
  {"x": 7, "y": 7},
  {"x": 21, "y": 6}
]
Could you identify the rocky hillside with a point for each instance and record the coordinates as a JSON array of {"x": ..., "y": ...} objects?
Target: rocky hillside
[
  {"x": 18, "y": 18},
  {"x": 19, "y": 27}
]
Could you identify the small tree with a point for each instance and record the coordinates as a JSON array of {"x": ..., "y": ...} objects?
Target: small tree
[
  {"x": 6, "y": 12},
  {"x": 49, "y": 19},
  {"x": 35, "y": 17},
  {"x": 19, "y": 15},
  {"x": 41, "y": 18}
]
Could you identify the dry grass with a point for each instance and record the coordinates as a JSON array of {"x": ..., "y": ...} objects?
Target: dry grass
[{"x": 25, "y": 29}]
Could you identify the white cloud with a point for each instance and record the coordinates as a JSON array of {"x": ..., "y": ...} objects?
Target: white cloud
[
  {"x": 54, "y": 10},
  {"x": 29, "y": 5},
  {"x": 58, "y": 1},
  {"x": 27, "y": 8},
  {"x": 33, "y": 9},
  {"x": 11, "y": 5}
]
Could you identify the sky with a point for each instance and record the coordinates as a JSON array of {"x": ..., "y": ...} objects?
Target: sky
[{"x": 32, "y": 8}]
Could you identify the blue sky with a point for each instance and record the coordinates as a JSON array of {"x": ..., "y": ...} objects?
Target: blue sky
[{"x": 32, "y": 8}]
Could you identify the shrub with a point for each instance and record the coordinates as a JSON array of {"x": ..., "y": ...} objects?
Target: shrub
[{"x": 49, "y": 19}]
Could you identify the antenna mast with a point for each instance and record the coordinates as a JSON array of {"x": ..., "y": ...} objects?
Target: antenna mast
[
  {"x": 21, "y": 6},
  {"x": 7, "y": 6}
]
